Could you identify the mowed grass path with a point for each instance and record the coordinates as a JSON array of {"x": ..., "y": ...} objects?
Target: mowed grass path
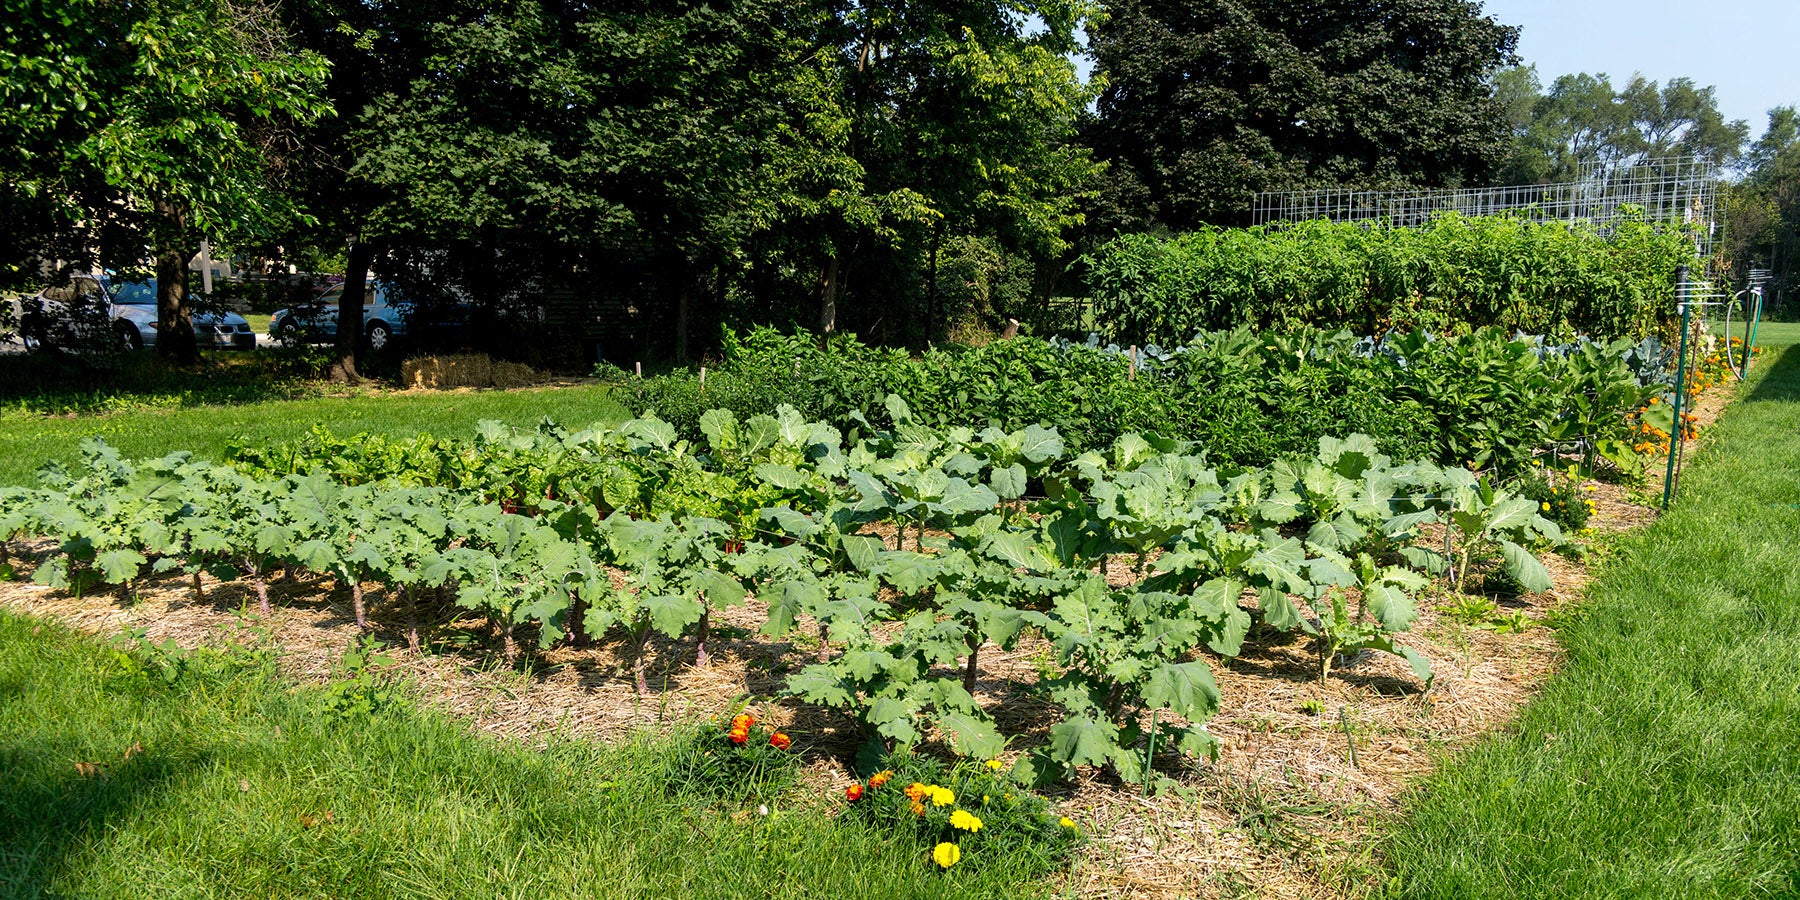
[
  {"x": 1664, "y": 760},
  {"x": 217, "y": 780},
  {"x": 26, "y": 442}
]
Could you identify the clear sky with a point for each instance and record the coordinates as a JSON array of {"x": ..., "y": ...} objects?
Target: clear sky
[{"x": 1748, "y": 49}]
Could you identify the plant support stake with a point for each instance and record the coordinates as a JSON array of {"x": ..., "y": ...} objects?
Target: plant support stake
[{"x": 1675, "y": 429}]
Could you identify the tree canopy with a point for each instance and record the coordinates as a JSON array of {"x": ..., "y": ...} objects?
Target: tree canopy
[{"x": 1207, "y": 102}]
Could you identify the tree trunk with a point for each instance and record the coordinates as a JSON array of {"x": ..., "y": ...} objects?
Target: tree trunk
[
  {"x": 828, "y": 294},
  {"x": 174, "y": 312},
  {"x": 350, "y": 312}
]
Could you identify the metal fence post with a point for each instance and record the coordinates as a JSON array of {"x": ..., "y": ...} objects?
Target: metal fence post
[{"x": 1675, "y": 430}]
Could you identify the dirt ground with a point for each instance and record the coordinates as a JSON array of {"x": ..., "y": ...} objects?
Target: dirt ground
[{"x": 1306, "y": 773}]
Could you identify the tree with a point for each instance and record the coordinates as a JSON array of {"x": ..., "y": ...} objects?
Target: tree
[
  {"x": 1209, "y": 101},
  {"x": 1763, "y": 220},
  {"x": 162, "y": 112},
  {"x": 1583, "y": 123}
]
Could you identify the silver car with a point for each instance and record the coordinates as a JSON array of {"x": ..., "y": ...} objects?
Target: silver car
[
  {"x": 318, "y": 321},
  {"x": 130, "y": 308}
]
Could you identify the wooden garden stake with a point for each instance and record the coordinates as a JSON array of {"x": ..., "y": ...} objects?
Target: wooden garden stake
[{"x": 1133, "y": 358}]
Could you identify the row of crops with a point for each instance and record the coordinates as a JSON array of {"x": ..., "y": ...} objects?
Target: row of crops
[
  {"x": 1452, "y": 275},
  {"x": 1489, "y": 399},
  {"x": 904, "y": 554}
]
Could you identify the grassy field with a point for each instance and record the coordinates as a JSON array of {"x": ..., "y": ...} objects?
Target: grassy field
[
  {"x": 202, "y": 775},
  {"x": 26, "y": 442},
  {"x": 1662, "y": 761}
]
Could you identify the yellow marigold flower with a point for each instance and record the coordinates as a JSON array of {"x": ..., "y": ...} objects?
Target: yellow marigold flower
[
  {"x": 1066, "y": 822},
  {"x": 915, "y": 791},
  {"x": 995, "y": 765},
  {"x": 1546, "y": 506},
  {"x": 965, "y": 820},
  {"x": 943, "y": 797},
  {"x": 946, "y": 854}
]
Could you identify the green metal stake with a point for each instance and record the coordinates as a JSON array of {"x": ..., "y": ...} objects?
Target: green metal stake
[{"x": 1675, "y": 430}]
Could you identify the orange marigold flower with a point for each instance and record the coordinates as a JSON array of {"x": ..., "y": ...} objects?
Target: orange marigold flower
[
  {"x": 918, "y": 809},
  {"x": 739, "y": 737},
  {"x": 854, "y": 792},
  {"x": 780, "y": 741},
  {"x": 915, "y": 792},
  {"x": 880, "y": 778},
  {"x": 742, "y": 722}
]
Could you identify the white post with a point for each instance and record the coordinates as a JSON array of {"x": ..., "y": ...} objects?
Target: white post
[{"x": 205, "y": 267}]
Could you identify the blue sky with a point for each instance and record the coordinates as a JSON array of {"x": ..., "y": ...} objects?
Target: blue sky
[{"x": 1748, "y": 49}]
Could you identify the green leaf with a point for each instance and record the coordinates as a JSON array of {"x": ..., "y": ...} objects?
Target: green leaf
[
  {"x": 1524, "y": 567},
  {"x": 1187, "y": 688},
  {"x": 971, "y": 736},
  {"x": 1082, "y": 741},
  {"x": 671, "y": 614}
]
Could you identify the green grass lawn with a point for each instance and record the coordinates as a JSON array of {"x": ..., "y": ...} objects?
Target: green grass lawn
[
  {"x": 220, "y": 781},
  {"x": 27, "y": 441},
  {"x": 1664, "y": 760}
]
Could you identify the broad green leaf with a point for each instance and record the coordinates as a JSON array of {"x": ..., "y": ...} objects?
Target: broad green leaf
[{"x": 1187, "y": 688}]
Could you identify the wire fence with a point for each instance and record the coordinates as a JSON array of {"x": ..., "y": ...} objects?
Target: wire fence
[{"x": 1662, "y": 189}]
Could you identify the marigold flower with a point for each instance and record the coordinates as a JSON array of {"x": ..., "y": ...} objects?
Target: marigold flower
[
  {"x": 742, "y": 722},
  {"x": 966, "y": 821},
  {"x": 739, "y": 737},
  {"x": 780, "y": 741},
  {"x": 880, "y": 778},
  {"x": 854, "y": 792},
  {"x": 946, "y": 854},
  {"x": 943, "y": 797},
  {"x": 995, "y": 765},
  {"x": 1066, "y": 822},
  {"x": 915, "y": 791},
  {"x": 918, "y": 809}
]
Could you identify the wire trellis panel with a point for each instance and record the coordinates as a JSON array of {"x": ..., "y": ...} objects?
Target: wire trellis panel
[{"x": 1663, "y": 189}]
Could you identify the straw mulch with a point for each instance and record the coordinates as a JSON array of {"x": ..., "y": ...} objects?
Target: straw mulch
[
  {"x": 1284, "y": 812},
  {"x": 470, "y": 370}
]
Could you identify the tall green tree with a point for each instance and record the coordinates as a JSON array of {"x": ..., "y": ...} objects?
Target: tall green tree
[
  {"x": 1209, "y": 101},
  {"x": 1583, "y": 122},
  {"x": 163, "y": 109}
]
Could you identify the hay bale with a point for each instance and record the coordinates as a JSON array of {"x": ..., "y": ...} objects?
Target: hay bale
[{"x": 473, "y": 370}]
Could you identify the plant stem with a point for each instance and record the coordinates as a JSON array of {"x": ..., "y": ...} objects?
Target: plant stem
[
  {"x": 637, "y": 662},
  {"x": 701, "y": 633},
  {"x": 412, "y": 616},
  {"x": 199, "y": 593},
  {"x": 262, "y": 592},
  {"x": 357, "y": 606},
  {"x": 970, "y": 670}
]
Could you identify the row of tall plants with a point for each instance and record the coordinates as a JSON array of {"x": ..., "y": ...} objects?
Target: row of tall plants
[
  {"x": 1488, "y": 399},
  {"x": 904, "y": 555},
  {"x": 1455, "y": 274}
]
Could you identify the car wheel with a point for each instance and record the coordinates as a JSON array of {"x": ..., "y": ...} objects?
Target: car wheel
[
  {"x": 286, "y": 332},
  {"x": 129, "y": 337},
  {"x": 379, "y": 334}
]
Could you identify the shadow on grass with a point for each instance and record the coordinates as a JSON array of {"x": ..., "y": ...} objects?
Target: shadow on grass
[
  {"x": 1776, "y": 388},
  {"x": 51, "y": 809}
]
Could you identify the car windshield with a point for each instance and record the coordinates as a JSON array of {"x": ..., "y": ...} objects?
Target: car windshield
[{"x": 136, "y": 293}]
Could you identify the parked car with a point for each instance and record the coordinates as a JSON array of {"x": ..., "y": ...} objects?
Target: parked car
[
  {"x": 63, "y": 315},
  {"x": 382, "y": 321},
  {"x": 134, "y": 304}
]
